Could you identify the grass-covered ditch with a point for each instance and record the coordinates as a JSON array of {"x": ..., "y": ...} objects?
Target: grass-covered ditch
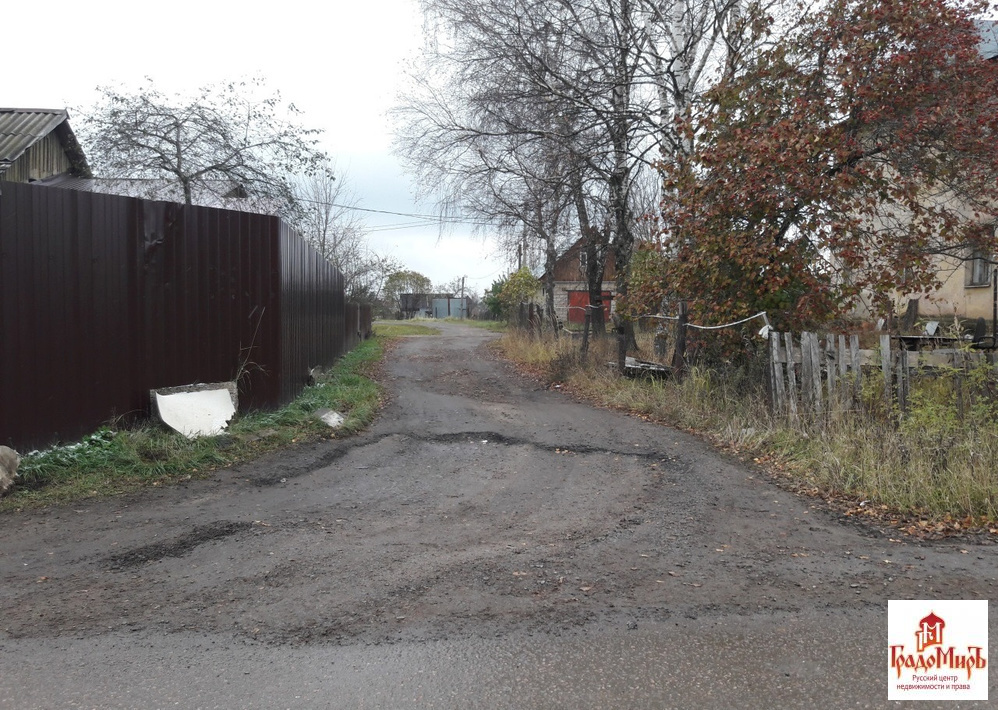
[{"x": 115, "y": 460}]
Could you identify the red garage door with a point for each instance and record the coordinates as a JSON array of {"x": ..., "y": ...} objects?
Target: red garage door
[{"x": 577, "y": 302}]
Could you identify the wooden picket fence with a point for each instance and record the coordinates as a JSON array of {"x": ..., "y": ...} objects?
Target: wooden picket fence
[{"x": 814, "y": 375}]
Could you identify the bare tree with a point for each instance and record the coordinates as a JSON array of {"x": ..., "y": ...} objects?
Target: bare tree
[
  {"x": 369, "y": 286},
  {"x": 326, "y": 217},
  {"x": 508, "y": 117},
  {"x": 233, "y": 136},
  {"x": 543, "y": 117}
]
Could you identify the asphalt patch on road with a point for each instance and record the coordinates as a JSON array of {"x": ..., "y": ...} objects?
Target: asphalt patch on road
[
  {"x": 178, "y": 546},
  {"x": 493, "y": 437}
]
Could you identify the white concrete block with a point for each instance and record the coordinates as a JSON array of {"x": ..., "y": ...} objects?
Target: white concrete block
[{"x": 333, "y": 419}]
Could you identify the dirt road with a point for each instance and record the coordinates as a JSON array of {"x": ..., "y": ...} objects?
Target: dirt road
[{"x": 488, "y": 543}]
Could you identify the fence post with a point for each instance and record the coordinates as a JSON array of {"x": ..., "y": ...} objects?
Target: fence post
[
  {"x": 679, "y": 355},
  {"x": 857, "y": 370},
  {"x": 661, "y": 339},
  {"x": 843, "y": 370},
  {"x": 885, "y": 368},
  {"x": 960, "y": 365},
  {"x": 788, "y": 339},
  {"x": 903, "y": 381},
  {"x": 815, "y": 354},
  {"x": 806, "y": 372},
  {"x": 831, "y": 361},
  {"x": 779, "y": 395}
]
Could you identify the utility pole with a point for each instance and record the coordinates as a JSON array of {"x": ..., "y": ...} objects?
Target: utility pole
[{"x": 464, "y": 304}]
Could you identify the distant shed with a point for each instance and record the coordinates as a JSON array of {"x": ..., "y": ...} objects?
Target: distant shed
[{"x": 571, "y": 292}]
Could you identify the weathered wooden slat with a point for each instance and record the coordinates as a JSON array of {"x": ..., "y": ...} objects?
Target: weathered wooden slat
[
  {"x": 779, "y": 394},
  {"x": 885, "y": 368},
  {"x": 843, "y": 381},
  {"x": 815, "y": 353},
  {"x": 788, "y": 340},
  {"x": 830, "y": 360},
  {"x": 857, "y": 370},
  {"x": 806, "y": 371},
  {"x": 816, "y": 372},
  {"x": 903, "y": 376}
]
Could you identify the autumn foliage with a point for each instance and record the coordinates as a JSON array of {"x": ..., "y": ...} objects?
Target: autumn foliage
[{"x": 842, "y": 159}]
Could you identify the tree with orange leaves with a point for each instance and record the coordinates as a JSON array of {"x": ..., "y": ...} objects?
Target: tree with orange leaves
[{"x": 843, "y": 159}]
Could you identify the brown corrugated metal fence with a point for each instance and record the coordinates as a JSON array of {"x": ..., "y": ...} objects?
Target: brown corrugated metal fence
[{"x": 103, "y": 298}]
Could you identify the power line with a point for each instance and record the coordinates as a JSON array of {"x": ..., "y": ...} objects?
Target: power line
[
  {"x": 392, "y": 227},
  {"x": 434, "y": 218}
]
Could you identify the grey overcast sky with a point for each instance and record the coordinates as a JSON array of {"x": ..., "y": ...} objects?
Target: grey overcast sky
[{"x": 340, "y": 62}]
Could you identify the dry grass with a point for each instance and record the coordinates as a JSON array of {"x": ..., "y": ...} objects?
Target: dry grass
[{"x": 936, "y": 463}]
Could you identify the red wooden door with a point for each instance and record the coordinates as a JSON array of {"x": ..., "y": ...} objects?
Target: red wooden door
[{"x": 579, "y": 300}]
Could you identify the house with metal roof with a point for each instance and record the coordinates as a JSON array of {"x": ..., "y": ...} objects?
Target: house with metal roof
[{"x": 37, "y": 144}]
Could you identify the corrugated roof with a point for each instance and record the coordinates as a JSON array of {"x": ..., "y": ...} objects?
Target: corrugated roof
[{"x": 22, "y": 127}]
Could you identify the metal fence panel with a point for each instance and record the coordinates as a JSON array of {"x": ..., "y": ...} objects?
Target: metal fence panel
[
  {"x": 104, "y": 297},
  {"x": 65, "y": 350}
]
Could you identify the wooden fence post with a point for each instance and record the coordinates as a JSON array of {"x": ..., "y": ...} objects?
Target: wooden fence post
[
  {"x": 788, "y": 339},
  {"x": 843, "y": 371},
  {"x": 857, "y": 370},
  {"x": 806, "y": 372},
  {"x": 779, "y": 394},
  {"x": 679, "y": 354},
  {"x": 885, "y": 368},
  {"x": 903, "y": 375},
  {"x": 830, "y": 360},
  {"x": 816, "y": 372},
  {"x": 810, "y": 368}
]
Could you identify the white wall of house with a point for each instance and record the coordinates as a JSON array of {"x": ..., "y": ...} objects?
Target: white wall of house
[{"x": 966, "y": 292}]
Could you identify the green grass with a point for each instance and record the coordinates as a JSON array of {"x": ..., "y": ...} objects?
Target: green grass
[
  {"x": 398, "y": 329},
  {"x": 111, "y": 461},
  {"x": 496, "y": 326}
]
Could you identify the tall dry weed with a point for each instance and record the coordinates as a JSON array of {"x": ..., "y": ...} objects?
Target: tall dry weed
[{"x": 941, "y": 458}]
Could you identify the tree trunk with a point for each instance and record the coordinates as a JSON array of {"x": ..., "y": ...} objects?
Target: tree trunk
[
  {"x": 594, "y": 247},
  {"x": 550, "y": 258}
]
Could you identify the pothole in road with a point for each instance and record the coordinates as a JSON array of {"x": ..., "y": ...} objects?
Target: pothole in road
[
  {"x": 492, "y": 437},
  {"x": 177, "y": 547}
]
